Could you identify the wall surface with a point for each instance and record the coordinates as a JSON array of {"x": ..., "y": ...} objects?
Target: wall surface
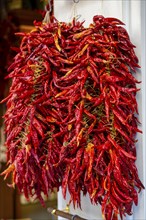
[{"x": 133, "y": 14}]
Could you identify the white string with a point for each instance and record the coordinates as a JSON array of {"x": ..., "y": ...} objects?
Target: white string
[
  {"x": 50, "y": 6},
  {"x": 74, "y": 12},
  {"x": 47, "y": 17}
]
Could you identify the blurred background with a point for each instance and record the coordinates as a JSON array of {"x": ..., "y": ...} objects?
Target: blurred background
[{"x": 16, "y": 16}]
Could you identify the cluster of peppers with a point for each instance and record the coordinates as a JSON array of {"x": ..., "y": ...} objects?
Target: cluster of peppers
[{"x": 71, "y": 114}]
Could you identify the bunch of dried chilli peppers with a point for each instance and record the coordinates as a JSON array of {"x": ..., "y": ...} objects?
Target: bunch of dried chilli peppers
[{"x": 71, "y": 114}]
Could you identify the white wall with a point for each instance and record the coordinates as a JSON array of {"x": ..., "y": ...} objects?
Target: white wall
[
  {"x": 133, "y": 13},
  {"x": 65, "y": 9}
]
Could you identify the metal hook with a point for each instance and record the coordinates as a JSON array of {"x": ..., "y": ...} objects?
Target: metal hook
[
  {"x": 78, "y": 17},
  {"x": 76, "y": 1}
]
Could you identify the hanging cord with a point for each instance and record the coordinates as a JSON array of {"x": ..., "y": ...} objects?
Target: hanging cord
[
  {"x": 74, "y": 13},
  {"x": 47, "y": 17},
  {"x": 49, "y": 11},
  {"x": 64, "y": 214}
]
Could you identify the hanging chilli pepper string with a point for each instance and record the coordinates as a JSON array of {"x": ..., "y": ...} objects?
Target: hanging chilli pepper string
[{"x": 76, "y": 84}]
